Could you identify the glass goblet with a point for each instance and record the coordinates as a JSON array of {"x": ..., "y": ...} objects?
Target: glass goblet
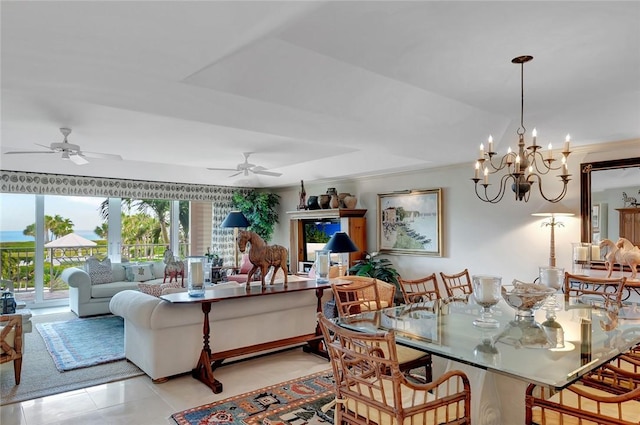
[{"x": 486, "y": 292}]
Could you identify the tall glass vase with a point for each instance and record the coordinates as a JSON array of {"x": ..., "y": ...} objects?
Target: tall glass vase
[
  {"x": 195, "y": 277},
  {"x": 322, "y": 266}
]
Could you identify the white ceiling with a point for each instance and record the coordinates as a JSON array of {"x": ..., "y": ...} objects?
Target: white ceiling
[{"x": 317, "y": 90}]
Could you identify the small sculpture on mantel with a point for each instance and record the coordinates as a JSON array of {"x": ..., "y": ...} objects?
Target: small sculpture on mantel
[
  {"x": 302, "y": 205},
  {"x": 630, "y": 200}
]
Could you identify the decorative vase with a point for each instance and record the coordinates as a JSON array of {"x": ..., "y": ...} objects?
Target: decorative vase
[
  {"x": 324, "y": 201},
  {"x": 195, "y": 277},
  {"x": 350, "y": 201},
  {"x": 312, "y": 203},
  {"x": 334, "y": 203}
]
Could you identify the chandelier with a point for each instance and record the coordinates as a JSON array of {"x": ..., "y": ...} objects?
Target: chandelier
[{"x": 523, "y": 169}]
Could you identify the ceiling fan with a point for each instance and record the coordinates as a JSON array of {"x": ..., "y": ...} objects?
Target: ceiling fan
[
  {"x": 69, "y": 151},
  {"x": 246, "y": 168}
]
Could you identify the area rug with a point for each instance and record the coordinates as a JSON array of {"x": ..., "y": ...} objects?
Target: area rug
[
  {"x": 294, "y": 402},
  {"x": 40, "y": 377},
  {"x": 79, "y": 343}
]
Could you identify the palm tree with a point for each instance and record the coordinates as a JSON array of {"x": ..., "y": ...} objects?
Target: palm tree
[
  {"x": 102, "y": 231},
  {"x": 54, "y": 227}
]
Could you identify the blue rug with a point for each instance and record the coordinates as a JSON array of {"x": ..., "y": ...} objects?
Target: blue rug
[{"x": 79, "y": 343}]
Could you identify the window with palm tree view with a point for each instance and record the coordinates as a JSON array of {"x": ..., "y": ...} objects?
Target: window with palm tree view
[{"x": 41, "y": 235}]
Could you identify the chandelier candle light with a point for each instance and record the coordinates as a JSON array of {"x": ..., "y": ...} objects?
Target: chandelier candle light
[{"x": 524, "y": 168}]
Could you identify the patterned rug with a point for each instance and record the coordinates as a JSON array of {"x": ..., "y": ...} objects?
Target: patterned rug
[
  {"x": 79, "y": 343},
  {"x": 294, "y": 402}
]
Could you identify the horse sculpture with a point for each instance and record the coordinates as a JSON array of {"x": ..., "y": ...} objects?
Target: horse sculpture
[
  {"x": 621, "y": 252},
  {"x": 173, "y": 268},
  {"x": 632, "y": 201},
  {"x": 263, "y": 256}
]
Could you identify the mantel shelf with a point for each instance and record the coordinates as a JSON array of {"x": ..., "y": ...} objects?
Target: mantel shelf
[{"x": 326, "y": 213}]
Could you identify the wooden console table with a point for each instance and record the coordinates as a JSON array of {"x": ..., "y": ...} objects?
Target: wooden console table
[{"x": 208, "y": 360}]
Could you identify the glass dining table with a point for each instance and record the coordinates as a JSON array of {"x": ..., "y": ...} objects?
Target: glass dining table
[{"x": 554, "y": 347}]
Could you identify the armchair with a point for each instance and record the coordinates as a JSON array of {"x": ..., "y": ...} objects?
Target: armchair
[
  {"x": 11, "y": 342},
  {"x": 370, "y": 388}
]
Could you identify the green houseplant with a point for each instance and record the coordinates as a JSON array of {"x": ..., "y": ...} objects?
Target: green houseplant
[
  {"x": 374, "y": 266},
  {"x": 260, "y": 210}
]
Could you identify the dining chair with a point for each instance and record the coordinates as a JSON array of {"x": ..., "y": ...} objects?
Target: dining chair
[
  {"x": 363, "y": 295},
  {"x": 581, "y": 404},
  {"x": 386, "y": 290},
  {"x": 420, "y": 290},
  {"x": 617, "y": 377},
  {"x": 11, "y": 342},
  {"x": 370, "y": 388},
  {"x": 458, "y": 283},
  {"x": 599, "y": 289}
]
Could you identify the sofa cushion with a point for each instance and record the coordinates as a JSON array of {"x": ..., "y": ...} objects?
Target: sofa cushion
[
  {"x": 157, "y": 289},
  {"x": 138, "y": 272},
  {"x": 99, "y": 271},
  {"x": 108, "y": 290},
  {"x": 158, "y": 269},
  {"x": 117, "y": 272}
]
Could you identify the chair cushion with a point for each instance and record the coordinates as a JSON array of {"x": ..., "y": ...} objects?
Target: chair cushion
[
  {"x": 630, "y": 409},
  {"x": 99, "y": 271},
  {"x": 409, "y": 397}
]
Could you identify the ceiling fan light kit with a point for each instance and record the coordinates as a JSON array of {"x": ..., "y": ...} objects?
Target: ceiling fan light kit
[
  {"x": 524, "y": 168},
  {"x": 245, "y": 168},
  {"x": 68, "y": 151}
]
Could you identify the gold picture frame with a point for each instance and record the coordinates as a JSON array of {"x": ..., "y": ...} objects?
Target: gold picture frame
[{"x": 410, "y": 222}]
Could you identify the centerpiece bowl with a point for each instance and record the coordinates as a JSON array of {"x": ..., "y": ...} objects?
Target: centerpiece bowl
[{"x": 526, "y": 298}]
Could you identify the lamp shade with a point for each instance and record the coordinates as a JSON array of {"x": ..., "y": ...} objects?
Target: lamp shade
[
  {"x": 553, "y": 210},
  {"x": 341, "y": 242},
  {"x": 235, "y": 219}
]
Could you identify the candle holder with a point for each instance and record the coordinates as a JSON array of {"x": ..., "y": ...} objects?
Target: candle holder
[
  {"x": 322, "y": 266},
  {"x": 195, "y": 277},
  {"x": 581, "y": 258},
  {"x": 486, "y": 292}
]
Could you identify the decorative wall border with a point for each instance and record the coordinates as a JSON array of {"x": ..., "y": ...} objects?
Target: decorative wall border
[{"x": 60, "y": 184}]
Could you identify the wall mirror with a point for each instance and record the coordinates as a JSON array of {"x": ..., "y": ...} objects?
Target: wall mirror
[{"x": 603, "y": 186}]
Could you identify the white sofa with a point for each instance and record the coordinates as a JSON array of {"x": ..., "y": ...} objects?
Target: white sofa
[
  {"x": 165, "y": 339},
  {"x": 86, "y": 299}
]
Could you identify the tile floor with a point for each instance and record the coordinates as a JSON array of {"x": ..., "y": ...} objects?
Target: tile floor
[{"x": 141, "y": 402}]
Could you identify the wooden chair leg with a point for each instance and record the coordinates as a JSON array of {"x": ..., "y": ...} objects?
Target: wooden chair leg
[{"x": 17, "y": 369}]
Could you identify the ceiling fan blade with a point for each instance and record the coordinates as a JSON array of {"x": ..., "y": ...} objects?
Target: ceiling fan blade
[
  {"x": 101, "y": 155},
  {"x": 44, "y": 146},
  {"x": 236, "y": 174},
  {"x": 264, "y": 172},
  {"x": 27, "y": 152},
  {"x": 223, "y": 169},
  {"x": 78, "y": 159}
]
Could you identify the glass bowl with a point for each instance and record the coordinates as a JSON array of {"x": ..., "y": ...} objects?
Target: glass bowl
[{"x": 526, "y": 298}]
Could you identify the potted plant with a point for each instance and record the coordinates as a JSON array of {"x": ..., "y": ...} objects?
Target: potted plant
[
  {"x": 374, "y": 266},
  {"x": 260, "y": 210}
]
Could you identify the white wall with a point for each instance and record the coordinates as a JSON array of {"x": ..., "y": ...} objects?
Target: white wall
[{"x": 502, "y": 239}]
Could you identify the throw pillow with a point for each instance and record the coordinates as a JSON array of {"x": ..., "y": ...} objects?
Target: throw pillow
[
  {"x": 99, "y": 271},
  {"x": 245, "y": 265},
  {"x": 156, "y": 289},
  {"x": 138, "y": 272}
]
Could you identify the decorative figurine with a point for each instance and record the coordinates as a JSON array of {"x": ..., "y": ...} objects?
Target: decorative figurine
[
  {"x": 263, "y": 256},
  {"x": 302, "y": 205}
]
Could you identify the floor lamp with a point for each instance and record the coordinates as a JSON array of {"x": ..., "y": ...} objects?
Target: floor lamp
[
  {"x": 341, "y": 243},
  {"x": 236, "y": 220}
]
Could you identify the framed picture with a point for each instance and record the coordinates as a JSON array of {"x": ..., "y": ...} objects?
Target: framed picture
[
  {"x": 595, "y": 218},
  {"x": 410, "y": 222}
]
